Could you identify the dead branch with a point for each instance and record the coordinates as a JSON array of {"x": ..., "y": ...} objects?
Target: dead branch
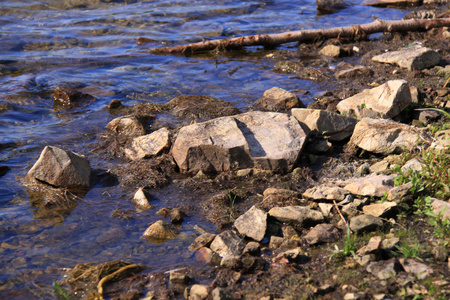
[{"x": 270, "y": 40}]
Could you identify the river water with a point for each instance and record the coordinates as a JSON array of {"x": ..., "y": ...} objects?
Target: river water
[{"x": 48, "y": 43}]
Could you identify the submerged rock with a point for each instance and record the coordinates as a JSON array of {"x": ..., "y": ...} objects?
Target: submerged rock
[
  {"x": 330, "y": 6},
  {"x": 385, "y": 136},
  {"x": 412, "y": 58},
  {"x": 61, "y": 168},
  {"x": 385, "y": 101},
  {"x": 277, "y": 99},
  {"x": 140, "y": 200},
  {"x": 67, "y": 97},
  {"x": 263, "y": 140},
  {"x": 160, "y": 231}
]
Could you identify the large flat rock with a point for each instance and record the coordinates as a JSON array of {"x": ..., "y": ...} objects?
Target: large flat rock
[
  {"x": 385, "y": 101},
  {"x": 264, "y": 140},
  {"x": 412, "y": 58}
]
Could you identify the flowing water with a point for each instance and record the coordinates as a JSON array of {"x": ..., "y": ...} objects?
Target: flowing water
[{"x": 47, "y": 43}]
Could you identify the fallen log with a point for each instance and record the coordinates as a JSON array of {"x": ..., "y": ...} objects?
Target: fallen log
[{"x": 271, "y": 40}]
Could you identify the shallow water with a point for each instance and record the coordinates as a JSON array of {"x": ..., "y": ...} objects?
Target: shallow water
[{"x": 48, "y": 43}]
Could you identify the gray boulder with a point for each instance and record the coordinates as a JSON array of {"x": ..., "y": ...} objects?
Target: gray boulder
[
  {"x": 61, "y": 168},
  {"x": 385, "y": 136},
  {"x": 413, "y": 266},
  {"x": 262, "y": 140},
  {"x": 330, "y": 124},
  {"x": 385, "y": 101},
  {"x": 412, "y": 58},
  {"x": 253, "y": 224},
  {"x": 277, "y": 99},
  {"x": 385, "y": 269}
]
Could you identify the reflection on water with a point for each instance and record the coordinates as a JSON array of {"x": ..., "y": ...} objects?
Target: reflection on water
[{"x": 92, "y": 44}]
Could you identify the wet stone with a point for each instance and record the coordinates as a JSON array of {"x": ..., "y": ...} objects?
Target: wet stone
[
  {"x": 61, "y": 168},
  {"x": 203, "y": 240},
  {"x": 221, "y": 294},
  {"x": 149, "y": 145},
  {"x": 176, "y": 216},
  {"x": 160, "y": 231},
  {"x": 198, "y": 292},
  {"x": 252, "y": 248},
  {"x": 67, "y": 97},
  {"x": 141, "y": 200},
  {"x": 207, "y": 256},
  {"x": 127, "y": 125}
]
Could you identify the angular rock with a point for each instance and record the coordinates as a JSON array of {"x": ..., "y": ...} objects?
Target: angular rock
[
  {"x": 385, "y": 101},
  {"x": 200, "y": 107},
  {"x": 227, "y": 244},
  {"x": 283, "y": 192},
  {"x": 373, "y": 185},
  {"x": 297, "y": 216},
  {"x": 385, "y": 269},
  {"x": 326, "y": 208},
  {"x": 160, "y": 231},
  {"x": 323, "y": 233},
  {"x": 252, "y": 224},
  {"x": 420, "y": 270},
  {"x": 323, "y": 192},
  {"x": 399, "y": 192},
  {"x": 365, "y": 223},
  {"x": 412, "y": 58},
  {"x": 68, "y": 97},
  {"x": 140, "y": 200},
  {"x": 203, "y": 240},
  {"x": 372, "y": 246},
  {"x": 330, "y": 124},
  {"x": 126, "y": 125},
  {"x": 61, "y": 168},
  {"x": 263, "y": 140},
  {"x": 277, "y": 99},
  {"x": 382, "y": 210},
  {"x": 149, "y": 145},
  {"x": 207, "y": 256},
  {"x": 178, "y": 278},
  {"x": 357, "y": 71},
  {"x": 384, "y": 136},
  {"x": 279, "y": 242},
  {"x": 379, "y": 167}
]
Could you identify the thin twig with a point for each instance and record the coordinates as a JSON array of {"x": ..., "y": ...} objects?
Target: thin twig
[{"x": 339, "y": 211}]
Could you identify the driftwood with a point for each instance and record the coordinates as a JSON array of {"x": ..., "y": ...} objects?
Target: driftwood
[{"x": 270, "y": 40}]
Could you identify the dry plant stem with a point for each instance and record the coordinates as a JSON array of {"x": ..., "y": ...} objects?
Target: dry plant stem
[
  {"x": 271, "y": 40},
  {"x": 108, "y": 277},
  {"x": 340, "y": 214}
]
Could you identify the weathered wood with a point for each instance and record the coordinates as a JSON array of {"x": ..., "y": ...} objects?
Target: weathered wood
[{"x": 354, "y": 31}]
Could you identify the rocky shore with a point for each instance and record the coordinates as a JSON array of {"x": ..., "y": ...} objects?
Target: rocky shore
[{"x": 344, "y": 199}]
